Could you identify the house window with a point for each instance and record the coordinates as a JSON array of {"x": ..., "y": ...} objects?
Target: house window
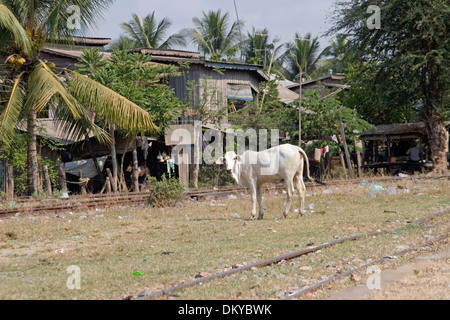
[
  {"x": 240, "y": 92},
  {"x": 238, "y": 95}
]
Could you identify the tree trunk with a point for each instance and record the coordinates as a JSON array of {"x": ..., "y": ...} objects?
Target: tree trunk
[
  {"x": 438, "y": 140},
  {"x": 347, "y": 154},
  {"x": 195, "y": 175},
  {"x": 47, "y": 181},
  {"x": 32, "y": 158},
  {"x": 113, "y": 159}
]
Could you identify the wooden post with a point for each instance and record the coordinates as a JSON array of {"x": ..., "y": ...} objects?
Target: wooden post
[
  {"x": 9, "y": 182},
  {"x": 108, "y": 185},
  {"x": 47, "y": 181},
  {"x": 389, "y": 154},
  {"x": 135, "y": 169},
  {"x": 114, "y": 185},
  {"x": 358, "y": 159},
  {"x": 347, "y": 154},
  {"x": 300, "y": 110},
  {"x": 115, "y": 173},
  {"x": 62, "y": 177},
  {"x": 82, "y": 186}
]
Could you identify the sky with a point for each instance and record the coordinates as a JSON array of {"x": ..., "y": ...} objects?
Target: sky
[{"x": 281, "y": 17}]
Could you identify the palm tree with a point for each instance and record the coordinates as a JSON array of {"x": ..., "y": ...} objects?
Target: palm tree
[
  {"x": 340, "y": 55},
  {"x": 149, "y": 33},
  {"x": 25, "y": 26},
  {"x": 213, "y": 36},
  {"x": 303, "y": 55},
  {"x": 123, "y": 44},
  {"x": 258, "y": 49}
]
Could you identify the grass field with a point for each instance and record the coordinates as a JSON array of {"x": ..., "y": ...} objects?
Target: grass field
[{"x": 123, "y": 252}]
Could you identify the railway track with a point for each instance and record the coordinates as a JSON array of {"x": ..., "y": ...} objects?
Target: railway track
[
  {"x": 77, "y": 203},
  {"x": 302, "y": 252}
]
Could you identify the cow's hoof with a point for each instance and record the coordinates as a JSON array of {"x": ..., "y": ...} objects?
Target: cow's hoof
[{"x": 260, "y": 218}]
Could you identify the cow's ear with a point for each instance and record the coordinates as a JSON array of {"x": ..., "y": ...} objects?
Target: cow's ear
[
  {"x": 237, "y": 158},
  {"x": 220, "y": 161}
]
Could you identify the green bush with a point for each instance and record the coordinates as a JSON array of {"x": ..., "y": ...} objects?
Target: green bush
[
  {"x": 164, "y": 193},
  {"x": 214, "y": 176}
]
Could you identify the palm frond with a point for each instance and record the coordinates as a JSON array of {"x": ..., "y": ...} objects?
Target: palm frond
[
  {"x": 59, "y": 13},
  {"x": 109, "y": 106},
  {"x": 10, "y": 115},
  {"x": 43, "y": 85},
  {"x": 10, "y": 23}
]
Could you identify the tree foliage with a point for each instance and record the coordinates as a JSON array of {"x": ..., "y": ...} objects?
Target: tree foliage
[
  {"x": 403, "y": 64},
  {"x": 214, "y": 36},
  {"x": 320, "y": 121},
  {"x": 148, "y": 32},
  {"x": 303, "y": 55}
]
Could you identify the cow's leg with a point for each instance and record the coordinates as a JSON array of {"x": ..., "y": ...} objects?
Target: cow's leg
[
  {"x": 253, "y": 194},
  {"x": 260, "y": 203},
  {"x": 289, "y": 189},
  {"x": 301, "y": 189}
]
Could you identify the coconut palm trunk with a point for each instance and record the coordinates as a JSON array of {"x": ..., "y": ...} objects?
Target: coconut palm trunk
[{"x": 32, "y": 156}]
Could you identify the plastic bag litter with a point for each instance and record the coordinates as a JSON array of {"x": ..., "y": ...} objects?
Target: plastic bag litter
[
  {"x": 391, "y": 191},
  {"x": 376, "y": 188},
  {"x": 365, "y": 183}
]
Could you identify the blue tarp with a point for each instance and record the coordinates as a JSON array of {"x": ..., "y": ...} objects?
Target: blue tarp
[{"x": 242, "y": 92}]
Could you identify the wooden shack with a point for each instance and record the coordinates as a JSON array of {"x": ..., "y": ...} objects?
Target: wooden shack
[{"x": 385, "y": 148}]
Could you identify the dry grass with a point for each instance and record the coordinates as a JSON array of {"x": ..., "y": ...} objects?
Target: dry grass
[
  {"x": 429, "y": 281},
  {"x": 170, "y": 246}
]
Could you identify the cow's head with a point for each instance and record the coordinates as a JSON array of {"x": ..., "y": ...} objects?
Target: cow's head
[{"x": 230, "y": 161}]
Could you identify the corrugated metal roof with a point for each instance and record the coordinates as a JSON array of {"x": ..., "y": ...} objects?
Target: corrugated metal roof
[
  {"x": 74, "y": 54},
  {"x": 168, "y": 53}
]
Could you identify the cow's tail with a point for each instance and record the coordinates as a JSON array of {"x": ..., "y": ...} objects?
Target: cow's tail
[{"x": 305, "y": 156}]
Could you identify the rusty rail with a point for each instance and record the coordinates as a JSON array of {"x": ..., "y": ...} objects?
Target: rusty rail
[
  {"x": 381, "y": 260},
  {"x": 288, "y": 256},
  {"x": 131, "y": 199}
]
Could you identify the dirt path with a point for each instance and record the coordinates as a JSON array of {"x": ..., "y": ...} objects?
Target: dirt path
[{"x": 424, "y": 278}]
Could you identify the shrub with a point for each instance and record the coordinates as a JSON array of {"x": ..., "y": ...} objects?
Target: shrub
[
  {"x": 164, "y": 193},
  {"x": 214, "y": 176}
]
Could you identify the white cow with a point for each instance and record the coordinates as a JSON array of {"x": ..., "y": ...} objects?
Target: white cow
[{"x": 252, "y": 169}]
